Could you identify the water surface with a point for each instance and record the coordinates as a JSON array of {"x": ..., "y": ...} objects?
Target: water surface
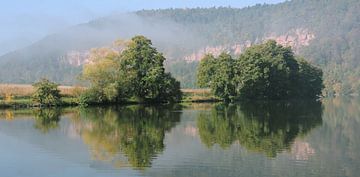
[{"x": 287, "y": 138}]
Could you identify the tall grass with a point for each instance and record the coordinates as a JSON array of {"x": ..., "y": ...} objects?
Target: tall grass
[
  {"x": 13, "y": 93},
  {"x": 196, "y": 91},
  {"x": 20, "y": 91}
]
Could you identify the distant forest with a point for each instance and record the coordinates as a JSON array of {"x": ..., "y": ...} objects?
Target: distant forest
[{"x": 335, "y": 25}]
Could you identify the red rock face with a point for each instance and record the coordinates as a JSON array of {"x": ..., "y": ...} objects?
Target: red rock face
[
  {"x": 80, "y": 58},
  {"x": 76, "y": 58},
  {"x": 296, "y": 39}
]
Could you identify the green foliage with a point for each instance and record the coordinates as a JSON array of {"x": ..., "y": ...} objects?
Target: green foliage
[
  {"x": 266, "y": 127},
  {"x": 310, "y": 80},
  {"x": 137, "y": 72},
  {"x": 103, "y": 74},
  {"x": 206, "y": 70},
  {"x": 143, "y": 65},
  {"x": 46, "y": 93},
  {"x": 265, "y": 71},
  {"x": 268, "y": 71},
  {"x": 91, "y": 96},
  {"x": 218, "y": 74}
]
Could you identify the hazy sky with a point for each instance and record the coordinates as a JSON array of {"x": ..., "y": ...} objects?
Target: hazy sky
[{"x": 25, "y": 21}]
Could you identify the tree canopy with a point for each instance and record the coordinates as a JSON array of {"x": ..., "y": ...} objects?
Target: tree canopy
[
  {"x": 137, "y": 71},
  {"x": 265, "y": 71}
]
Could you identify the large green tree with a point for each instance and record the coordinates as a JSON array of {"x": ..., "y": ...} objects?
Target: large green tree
[
  {"x": 218, "y": 74},
  {"x": 102, "y": 73},
  {"x": 265, "y": 71},
  {"x": 141, "y": 65},
  {"x": 136, "y": 71}
]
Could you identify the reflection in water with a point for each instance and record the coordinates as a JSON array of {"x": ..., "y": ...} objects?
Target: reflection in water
[
  {"x": 137, "y": 132},
  {"x": 338, "y": 139},
  {"x": 302, "y": 150},
  {"x": 46, "y": 119},
  {"x": 141, "y": 137},
  {"x": 267, "y": 127}
]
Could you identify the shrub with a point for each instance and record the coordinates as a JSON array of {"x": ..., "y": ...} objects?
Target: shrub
[
  {"x": 46, "y": 93},
  {"x": 90, "y": 97}
]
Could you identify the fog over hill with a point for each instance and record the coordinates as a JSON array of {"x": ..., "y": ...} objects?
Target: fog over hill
[{"x": 326, "y": 32}]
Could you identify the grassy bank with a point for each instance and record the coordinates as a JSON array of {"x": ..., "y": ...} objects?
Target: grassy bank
[
  {"x": 27, "y": 103},
  {"x": 198, "y": 95},
  {"x": 19, "y": 96},
  {"x": 25, "y": 91}
]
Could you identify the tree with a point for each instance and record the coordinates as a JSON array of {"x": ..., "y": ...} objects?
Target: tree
[
  {"x": 136, "y": 70},
  {"x": 310, "y": 79},
  {"x": 265, "y": 71},
  {"x": 102, "y": 73},
  {"x": 142, "y": 65},
  {"x": 218, "y": 73},
  {"x": 46, "y": 93},
  {"x": 206, "y": 70}
]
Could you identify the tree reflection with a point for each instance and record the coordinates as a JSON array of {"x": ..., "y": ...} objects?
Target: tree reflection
[
  {"x": 46, "y": 119},
  {"x": 266, "y": 127},
  {"x": 137, "y": 132}
]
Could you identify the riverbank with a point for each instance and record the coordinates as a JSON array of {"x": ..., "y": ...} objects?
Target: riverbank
[
  {"x": 28, "y": 103},
  {"x": 19, "y": 96}
]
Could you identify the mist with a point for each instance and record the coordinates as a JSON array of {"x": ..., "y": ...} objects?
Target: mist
[
  {"x": 103, "y": 31},
  {"x": 48, "y": 56}
]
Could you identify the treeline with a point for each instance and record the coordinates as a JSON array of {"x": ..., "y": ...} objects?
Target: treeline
[
  {"x": 335, "y": 23},
  {"x": 134, "y": 71},
  {"x": 265, "y": 71}
]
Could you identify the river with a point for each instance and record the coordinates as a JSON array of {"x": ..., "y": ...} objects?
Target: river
[{"x": 278, "y": 138}]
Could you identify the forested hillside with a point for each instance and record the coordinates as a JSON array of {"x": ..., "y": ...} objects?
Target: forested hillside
[{"x": 326, "y": 32}]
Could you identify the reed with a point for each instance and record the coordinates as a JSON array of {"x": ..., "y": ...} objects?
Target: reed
[
  {"x": 196, "y": 91},
  {"x": 22, "y": 90}
]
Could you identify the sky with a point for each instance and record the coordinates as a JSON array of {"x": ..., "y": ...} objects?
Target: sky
[{"x": 26, "y": 21}]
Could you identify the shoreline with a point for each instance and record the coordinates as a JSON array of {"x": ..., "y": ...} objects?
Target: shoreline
[{"x": 72, "y": 102}]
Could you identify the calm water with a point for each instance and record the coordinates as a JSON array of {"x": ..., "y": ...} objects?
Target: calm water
[{"x": 247, "y": 139}]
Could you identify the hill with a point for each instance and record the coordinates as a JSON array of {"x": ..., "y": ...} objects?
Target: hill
[{"x": 326, "y": 32}]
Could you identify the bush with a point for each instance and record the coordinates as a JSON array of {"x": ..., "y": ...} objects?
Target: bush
[
  {"x": 91, "y": 97},
  {"x": 46, "y": 93}
]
